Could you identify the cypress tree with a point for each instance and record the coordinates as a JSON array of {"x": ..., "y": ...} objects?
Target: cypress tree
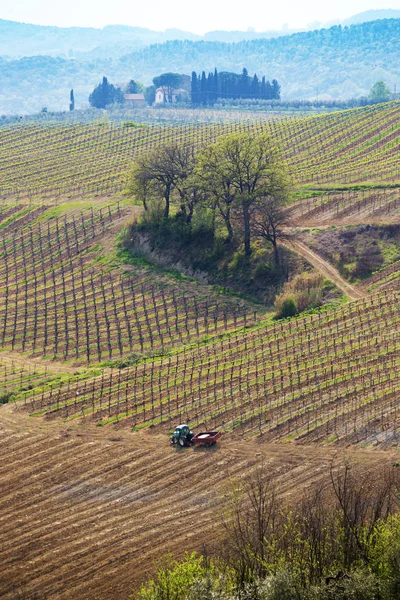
[
  {"x": 133, "y": 87},
  {"x": 210, "y": 88},
  {"x": 71, "y": 101},
  {"x": 263, "y": 90},
  {"x": 276, "y": 90},
  {"x": 206, "y": 89},
  {"x": 244, "y": 84},
  {"x": 203, "y": 88},
  {"x": 216, "y": 85},
  {"x": 268, "y": 91},
  {"x": 194, "y": 90},
  {"x": 104, "y": 94},
  {"x": 255, "y": 87}
]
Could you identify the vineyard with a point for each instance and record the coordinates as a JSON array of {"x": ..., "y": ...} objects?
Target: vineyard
[
  {"x": 101, "y": 356},
  {"x": 18, "y": 375},
  {"x": 59, "y": 300},
  {"x": 349, "y": 147},
  {"x": 323, "y": 378},
  {"x": 344, "y": 207},
  {"x": 194, "y": 355}
]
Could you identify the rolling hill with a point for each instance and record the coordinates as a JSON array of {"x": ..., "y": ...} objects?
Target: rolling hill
[
  {"x": 100, "y": 357},
  {"x": 67, "y": 294}
]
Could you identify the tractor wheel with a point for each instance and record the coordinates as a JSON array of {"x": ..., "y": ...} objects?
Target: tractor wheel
[{"x": 181, "y": 442}]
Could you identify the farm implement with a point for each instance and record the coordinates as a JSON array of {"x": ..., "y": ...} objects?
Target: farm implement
[{"x": 182, "y": 436}]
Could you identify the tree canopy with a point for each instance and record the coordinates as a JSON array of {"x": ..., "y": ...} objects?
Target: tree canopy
[
  {"x": 105, "y": 94},
  {"x": 207, "y": 89},
  {"x": 240, "y": 178},
  {"x": 159, "y": 173},
  {"x": 168, "y": 82},
  {"x": 380, "y": 92},
  {"x": 243, "y": 173},
  {"x": 134, "y": 87}
]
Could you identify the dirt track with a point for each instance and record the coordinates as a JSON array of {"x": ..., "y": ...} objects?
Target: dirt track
[
  {"x": 325, "y": 268},
  {"x": 86, "y": 512},
  {"x": 19, "y": 361}
]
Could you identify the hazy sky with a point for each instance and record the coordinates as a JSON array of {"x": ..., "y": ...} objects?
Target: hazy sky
[{"x": 197, "y": 17}]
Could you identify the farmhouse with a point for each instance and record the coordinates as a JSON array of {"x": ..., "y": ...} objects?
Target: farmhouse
[
  {"x": 134, "y": 100},
  {"x": 163, "y": 96}
]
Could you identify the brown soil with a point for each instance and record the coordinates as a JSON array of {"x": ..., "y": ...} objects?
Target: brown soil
[
  {"x": 86, "y": 512},
  {"x": 24, "y": 362}
]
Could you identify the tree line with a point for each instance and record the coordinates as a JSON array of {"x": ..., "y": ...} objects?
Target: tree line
[
  {"x": 340, "y": 541},
  {"x": 207, "y": 89},
  {"x": 204, "y": 90}
]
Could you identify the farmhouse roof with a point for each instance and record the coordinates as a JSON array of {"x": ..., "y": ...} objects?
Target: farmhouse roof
[
  {"x": 174, "y": 91},
  {"x": 134, "y": 96}
]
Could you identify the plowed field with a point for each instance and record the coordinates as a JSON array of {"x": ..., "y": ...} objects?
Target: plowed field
[{"x": 86, "y": 512}]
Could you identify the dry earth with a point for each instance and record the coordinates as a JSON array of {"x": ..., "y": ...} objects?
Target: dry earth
[
  {"x": 86, "y": 512},
  {"x": 324, "y": 267}
]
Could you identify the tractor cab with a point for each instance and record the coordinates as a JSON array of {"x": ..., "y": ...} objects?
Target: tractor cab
[{"x": 182, "y": 436}]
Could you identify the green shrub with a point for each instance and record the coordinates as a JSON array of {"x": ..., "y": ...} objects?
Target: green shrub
[
  {"x": 303, "y": 292},
  {"x": 369, "y": 259},
  {"x": 285, "y": 306},
  {"x": 385, "y": 550},
  {"x": 360, "y": 585},
  {"x": 174, "y": 579},
  {"x": 5, "y": 397},
  {"x": 282, "y": 586}
]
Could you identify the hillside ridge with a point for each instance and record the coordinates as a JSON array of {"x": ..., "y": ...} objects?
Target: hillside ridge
[{"x": 339, "y": 62}]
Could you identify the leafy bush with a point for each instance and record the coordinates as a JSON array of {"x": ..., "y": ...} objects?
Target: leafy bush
[
  {"x": 385, "y": 553},
  {"x": 174, "y": 579},
  {"x": 357, "y": 251},
  {"x": 285, "y": 307},
  {"x": 369, "y": 259},
  {"x": 5, "y": 397},
  {"x": 303, "y": 292},
  {"x": 200, "y": 250},
  {"x": 360, "y": 585},
  {"x": 283, "y": 585}
]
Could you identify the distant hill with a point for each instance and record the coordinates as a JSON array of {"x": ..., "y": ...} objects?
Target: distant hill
[
  {"x": 22, "y": 39},
  {"x": 372, "y": 15},
  {"x": 339, "y": 62},
  {"x": 18, "y": 40}
]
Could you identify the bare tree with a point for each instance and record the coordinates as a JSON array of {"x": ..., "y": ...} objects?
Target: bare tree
[
  {"x": 364, "y": 498},
  {"x": 319, "y": 534},
  {"x": 250, "y": 523},
  {"x": 269, "y": 221},
  {"x": 159, "y": 172}
]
